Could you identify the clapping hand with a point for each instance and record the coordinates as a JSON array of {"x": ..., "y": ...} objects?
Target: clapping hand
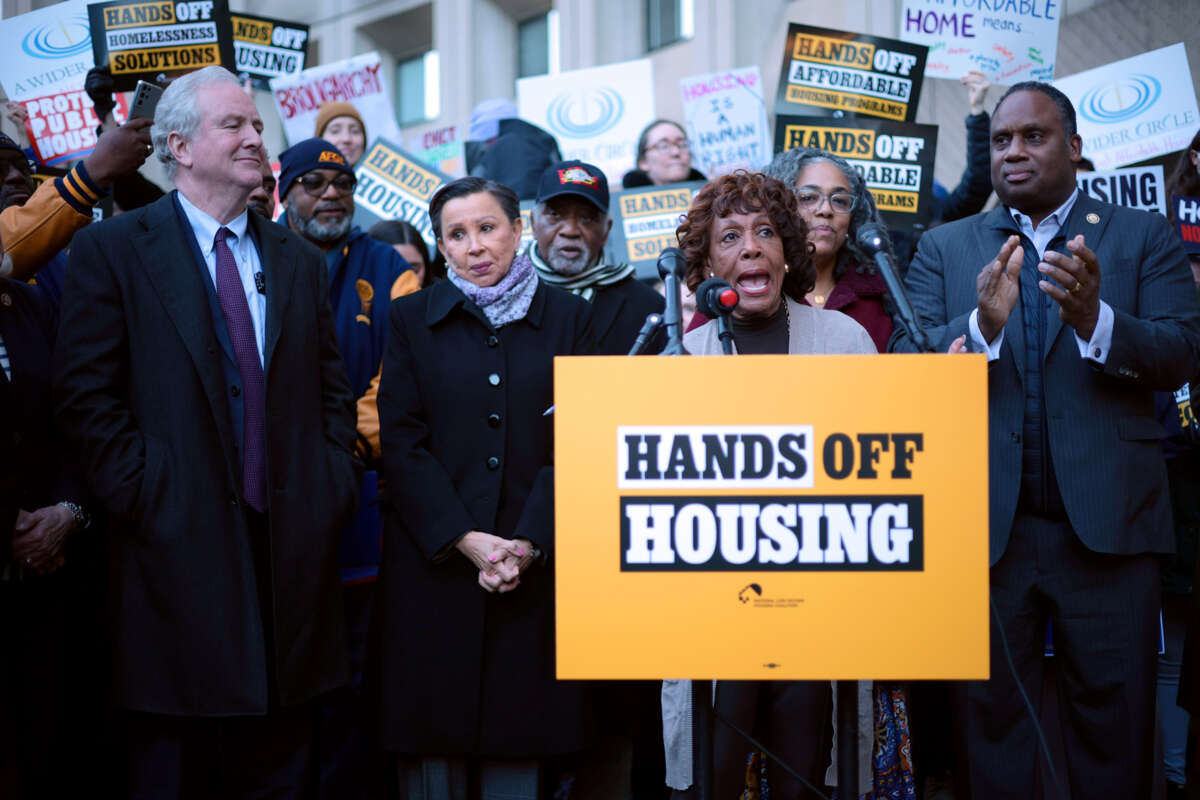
[
  {"x": 998, "y": 287},
  {"x": 1079, "y": 272}
]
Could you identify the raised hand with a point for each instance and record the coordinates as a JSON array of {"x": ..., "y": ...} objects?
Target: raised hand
[
  {"x": 1079, "y": 272},
  {"x": 998, "y": 287}
]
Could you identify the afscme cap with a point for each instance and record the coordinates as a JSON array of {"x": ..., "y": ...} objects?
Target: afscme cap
[
  {"x": 303, "y": 157},
  {"x": 577, "y": 178}
]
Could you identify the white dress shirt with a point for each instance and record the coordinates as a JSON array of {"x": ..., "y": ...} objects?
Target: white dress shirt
[
  {"x": 1097, "y": 348},
  {"x": 245, "y": 254}
]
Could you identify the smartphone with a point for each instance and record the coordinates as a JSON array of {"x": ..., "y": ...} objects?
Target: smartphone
[{"x": 145, "y": 100}]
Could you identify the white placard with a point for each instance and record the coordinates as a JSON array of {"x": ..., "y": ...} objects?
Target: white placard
[
  {"x": 1009, "y": 42},
  {"x": 1134, "y": 109},
  {"x": 46, "y": 52},
  {"x": 726, "y": 120},
  {"x": 1136, "y": 187},
  {"x": 359, "y": 80},
  {"x": 595, "y": 114}
]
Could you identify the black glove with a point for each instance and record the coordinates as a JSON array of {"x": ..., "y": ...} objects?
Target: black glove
[{"x": 99, "y": 87}]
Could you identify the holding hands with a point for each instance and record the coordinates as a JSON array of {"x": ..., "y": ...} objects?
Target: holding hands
[{"x": 500, "y": 561}]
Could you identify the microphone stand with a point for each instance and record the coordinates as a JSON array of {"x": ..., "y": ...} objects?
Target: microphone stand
[
  {"x": 725, "y": 333},
  {"x": 904, "y": 309},
  {"x": 673, "y": 316}
]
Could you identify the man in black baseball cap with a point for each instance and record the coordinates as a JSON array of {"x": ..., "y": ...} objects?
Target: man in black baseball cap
[{"x": 570, "y": 227}]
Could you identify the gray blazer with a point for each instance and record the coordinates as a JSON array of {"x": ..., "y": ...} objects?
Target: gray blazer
[
  {"x": 1102, "y": 432},
  {"x": 811, "y": 331}
]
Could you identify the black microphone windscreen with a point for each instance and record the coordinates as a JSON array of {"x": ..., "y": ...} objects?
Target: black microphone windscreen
[
  {"x": 671, "y": 261},
  {"x": 870, "y": 238}
]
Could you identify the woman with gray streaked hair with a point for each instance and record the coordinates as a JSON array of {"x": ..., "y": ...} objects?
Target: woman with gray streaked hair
[{"x": 835, "y": 202}]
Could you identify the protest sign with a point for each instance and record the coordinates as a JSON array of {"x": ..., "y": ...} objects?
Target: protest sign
[
  {"x": 1009, "y": 42},
  {"x": 596, "y": 114},
  {"x": 644, "y": 223},
  {"x": 142, "y": 40},
  {"x": 268, "y": 48},
  {"x": 46, "y": 51},
  {"x": 1187, "y": 221},
  {"x": 726, "y": 120},
  {"x": 894, "y": 158},
  {"x": 1136, "y": 187},
  {"x": 394, "y": 184},
  {"x": 442, "y": 150},
  {"x": 62, "y": 127},
  {"x": 835, "y": 73},
  {"x": 359, "y": 80},
  {"x": 1135, "y": 109}
]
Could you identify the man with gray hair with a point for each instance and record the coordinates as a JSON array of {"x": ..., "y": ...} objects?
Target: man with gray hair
[
  {"x": 198, "y": 375},
  {"x": 570, "y": 227}
]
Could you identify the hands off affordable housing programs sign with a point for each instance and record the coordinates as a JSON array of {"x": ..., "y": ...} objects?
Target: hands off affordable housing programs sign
[
  {"x": 1009, "y": 41},
  {"x": 358, "y": 80},
  {"x": 644, "y": 223},
  {"x": 716, "y": 539},
  {"x": 595, "y": 114},
  {"x": 835, "y": 73},
  {"x": 726, "y": 120},
  {"x": 46, "y": 52},
  {"x": 268, "y": 48},
  {"x": 393, "y": 184},
  {"x": 895, "y": 159},
  {"x": 142, "y": 40},
  {"x": 1135, "y": 109}
]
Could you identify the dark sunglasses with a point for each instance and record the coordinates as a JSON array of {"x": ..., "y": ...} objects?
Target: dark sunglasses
[{"x": 315, "y": 184}]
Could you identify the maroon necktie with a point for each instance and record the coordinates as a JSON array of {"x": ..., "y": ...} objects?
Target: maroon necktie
[{"x": 232, "y": 297}]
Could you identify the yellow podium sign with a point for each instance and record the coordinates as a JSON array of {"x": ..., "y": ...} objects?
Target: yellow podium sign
[{"x": 772, "y": 517}]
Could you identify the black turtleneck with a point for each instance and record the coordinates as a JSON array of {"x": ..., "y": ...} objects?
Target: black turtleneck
[{"x": 759, "y": 336}]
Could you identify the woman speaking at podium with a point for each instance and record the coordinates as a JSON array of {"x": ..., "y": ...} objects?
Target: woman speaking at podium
[
  {"x": 463, "y": 638},
  {"x": 747, "y": 229}
]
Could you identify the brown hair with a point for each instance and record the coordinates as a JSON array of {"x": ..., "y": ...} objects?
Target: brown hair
[{"x": 742, "y": 192}]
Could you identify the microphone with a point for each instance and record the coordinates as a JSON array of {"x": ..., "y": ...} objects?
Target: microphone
[
  {"x": 716, "y": 299},
  {"x": 871, "y": 238},
  {"x": 260, "y": 282},
  {"x": 648, "y": 327},
  {"x": 671, "y": 266}
]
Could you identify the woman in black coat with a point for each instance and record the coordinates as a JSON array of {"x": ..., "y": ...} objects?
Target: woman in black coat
[{"x": 465, "y": 624}]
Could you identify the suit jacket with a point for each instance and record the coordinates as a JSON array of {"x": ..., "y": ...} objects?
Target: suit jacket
[
  {"x": 618, "y": 312},
  {"x": 1101, "y": 428},
  {"x": 142, "y": 392},
  {"x": 467, "y": 446}
]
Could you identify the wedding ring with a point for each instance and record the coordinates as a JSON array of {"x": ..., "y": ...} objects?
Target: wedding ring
[{"x": 1078, "y": 286}]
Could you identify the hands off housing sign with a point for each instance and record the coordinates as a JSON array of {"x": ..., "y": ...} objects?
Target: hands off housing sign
[
  {"x": 1135, "y": 109},
  {"x": 141, "y": 40},
  {"x": 393, "y": 184},
  {"x": 688, "y": 524},
  {"x": 1009, "y": 41},
  {"x": 895, "y": 159},
  {"x": 727, "y": 120},
  {"x": 47, "y": 51},
  {"x": 268, "y": 48},
  {"x": 835, "y": 73},
  {"x": 595, "y": 114}
]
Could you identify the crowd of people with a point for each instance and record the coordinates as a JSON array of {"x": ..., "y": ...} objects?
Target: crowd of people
[{"x": 280, "y": 492}]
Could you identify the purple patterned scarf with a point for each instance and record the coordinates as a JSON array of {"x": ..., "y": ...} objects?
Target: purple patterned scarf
[{"x": 507, "y": 301}]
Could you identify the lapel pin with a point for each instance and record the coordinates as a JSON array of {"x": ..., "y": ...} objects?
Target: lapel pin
[
  {"x": 1093, "y": 218},
  {"x": 5, "y": 299}
]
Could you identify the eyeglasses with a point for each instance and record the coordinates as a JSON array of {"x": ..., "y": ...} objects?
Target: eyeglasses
[
  {"x": 315, "y": 184},
  {"x": 667, "y": 145},
  {"x": 838, "y": 203}
]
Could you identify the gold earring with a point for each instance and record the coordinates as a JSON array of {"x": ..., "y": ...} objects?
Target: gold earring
[
  {"x": 712, "y": 274},
  {"x": 786, "y": 268}
]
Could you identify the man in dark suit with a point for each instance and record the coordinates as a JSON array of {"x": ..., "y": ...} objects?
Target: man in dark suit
[
  {"x": 198, "y": 373},
  {"x": 1084, "y": 310},
  {"x": 570, "y": 227}
]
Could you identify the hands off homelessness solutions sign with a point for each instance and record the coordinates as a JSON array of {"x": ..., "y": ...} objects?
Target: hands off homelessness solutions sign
[
  {"x": 393, "y": 184},
  {"x": 644, "y": 223},
  {"x": 835, "y": 73},
  {"x": 895, "y": 159},
  {"x": 712, "y": 539},
  {"x": 141, "y": 40},
  {"x": 1009, "y": 41},
  {"x": 268, "y": 48}
]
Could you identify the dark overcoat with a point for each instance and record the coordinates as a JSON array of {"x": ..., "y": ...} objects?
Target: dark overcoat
[
  {"x": 467, "y": 446},
  {"x": 618, "y": 312},
  {"x": 142, "y": 393}
]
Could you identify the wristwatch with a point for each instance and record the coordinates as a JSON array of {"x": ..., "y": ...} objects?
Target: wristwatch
[{"x": 82, "y": 518}]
